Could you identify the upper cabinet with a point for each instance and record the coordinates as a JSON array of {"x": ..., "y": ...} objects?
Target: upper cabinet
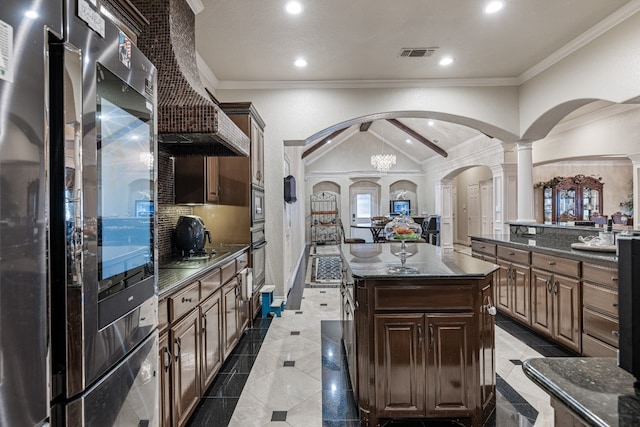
[
  {"x": 575, "y": 198},
  {"x": 246, "y": 117}
]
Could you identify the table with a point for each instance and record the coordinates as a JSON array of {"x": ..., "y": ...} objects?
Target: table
[{"x": 376, "y": 230}]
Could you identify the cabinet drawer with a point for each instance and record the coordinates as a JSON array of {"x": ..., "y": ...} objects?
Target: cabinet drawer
[
  {"x": 513, "y": 255},
  {"x": 210, "y": 283},
  {"x": 242, "y": 261},
  {"x": 567, "y": 267},
  {"x": 184, "y": 301},
  {"x": 600, "y": 299},
  {"x": 483, "y": 247},
  {"x": 228, "y": 271},
  {"x": 434, "y": 298},
  {"x": 601, "y": 275},
  {"x": 600, "y": 326},
  {"x": 595, "y": 348}
]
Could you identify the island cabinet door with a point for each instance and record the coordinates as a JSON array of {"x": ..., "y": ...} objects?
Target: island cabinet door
[
  {"x": 451, "y": 377},
  {"x": 542, "y": 301},
  {"x": 399, "y": 365}
]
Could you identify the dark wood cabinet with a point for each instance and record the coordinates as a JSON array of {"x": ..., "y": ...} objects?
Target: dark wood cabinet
[
  {"x": 164, "y": 377},
  {"x": 201, "y": 327},
  {"x": 424, "y": 349},
  {"x": 399, "y": 365},
  {"x": 211, "y": 313},
  {"x": 599, "y": 310},
  {"x": 230, "y": 335},
  {"x": 186, "y": 373},
  {"x": 574, "y": 198},
  {"x": 196, "y": 180},
  {"x": 514, "y": 286}
]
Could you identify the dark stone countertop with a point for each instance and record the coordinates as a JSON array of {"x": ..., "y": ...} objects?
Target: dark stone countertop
[
  {"x": 595, "y": 388},
  {"x": 172, "y": 277},
  {"x": 554, "y": 245},
  {"x": 374, "y": 260}
]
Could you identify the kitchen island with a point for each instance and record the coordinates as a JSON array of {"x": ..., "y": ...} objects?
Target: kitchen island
[{"x": 418, "y": 334}]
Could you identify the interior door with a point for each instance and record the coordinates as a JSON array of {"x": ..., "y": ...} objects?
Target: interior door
[
  {"x": 473, "y": 211},
  {"x": 486, "y": 207}
]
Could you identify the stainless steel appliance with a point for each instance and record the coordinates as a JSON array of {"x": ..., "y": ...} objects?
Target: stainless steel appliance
[
  {"x": 103, "y": 261},
  {"x": 257, "y": 205},
  {"x": 629, "y": 306},
  {"x": 24, "y": 395}
]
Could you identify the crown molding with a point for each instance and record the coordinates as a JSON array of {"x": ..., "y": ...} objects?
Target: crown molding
[
  {"x": 620, "y": 15},
  {"x": 364, "y": 84}
]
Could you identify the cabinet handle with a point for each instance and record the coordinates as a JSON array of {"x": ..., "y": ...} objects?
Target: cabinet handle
[
  {"x": 204, "y": 322},
  {"x": 615, "y": 304},
  {"x": 482, "y": 247},
  {"x": 555, "y": 287},
  {"x": 614, "y": 279},
  {"x": 549, "y": 285},
  {"x": 179, "y": 352},
  {"x": 356, "y": 305},
  {"x": 186, "y": 299},
  {"x": 167, "y": 359},
  {"x": 615, "y": 333},
  {"x": 552, "y": 263},
  {"x": 431, "y": 339},
  {"x": 419, "y": 336},
  {"x": 512, "y": 253}
]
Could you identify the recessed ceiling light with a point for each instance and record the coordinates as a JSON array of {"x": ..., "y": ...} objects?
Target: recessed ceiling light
[
  {"x": 300, "y": 62},
  {"x": 447, "y": 60},
  {"x": 329, "y": 142},
  {"x": 31, "y": 14},
  {"x": 493, "y": 6},
  {"x": 293, "y": 7},
  {"x": 409, "y": 141},
  {"x": 430, "y": 123}
]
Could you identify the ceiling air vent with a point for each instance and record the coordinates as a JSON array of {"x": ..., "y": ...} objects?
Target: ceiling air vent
[{"x": 417, "y": 52}]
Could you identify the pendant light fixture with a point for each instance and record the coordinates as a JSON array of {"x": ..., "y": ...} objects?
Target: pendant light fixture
[{"x": 383, "y": 162}]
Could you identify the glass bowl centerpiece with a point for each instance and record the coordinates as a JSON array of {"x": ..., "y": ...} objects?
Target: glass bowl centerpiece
[{"x": 402, "y": 228}]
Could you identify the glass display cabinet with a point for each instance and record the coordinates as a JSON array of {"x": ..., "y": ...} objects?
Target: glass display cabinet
[{"x": 574, "y": 198}]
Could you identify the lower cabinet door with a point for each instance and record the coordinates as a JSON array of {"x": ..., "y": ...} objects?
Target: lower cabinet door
[
  {"x": 503, "y": 275},
  {"x": 211, "y": 312},
  {"x": 520, "y": 293},
  {"x": 542, "y": 301},
  {"x": 399, "y": 365},
  {"x": 567, "y": 312},
  {"x": 165, "y": 365},
  {"x": 186, "y": 372},
  {"x": 450, "y": 365},
  {"x": 230, "y": 315}
]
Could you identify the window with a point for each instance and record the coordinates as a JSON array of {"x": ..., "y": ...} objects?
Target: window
[{"x": 364, "y": 206}]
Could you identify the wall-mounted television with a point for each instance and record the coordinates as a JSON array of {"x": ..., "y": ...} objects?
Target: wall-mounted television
[{"x": 397, "y": 207}]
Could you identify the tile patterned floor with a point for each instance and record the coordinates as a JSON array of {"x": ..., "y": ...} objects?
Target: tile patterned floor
[{"x": 290, "y": 371}]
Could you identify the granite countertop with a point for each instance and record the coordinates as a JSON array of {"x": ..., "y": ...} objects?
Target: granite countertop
[
  {"x": 560, "y": 245},
  {"x": 596, "y": 389},
  {"x": 378, "y": 260},
  {"x": 172, "y": 276}
]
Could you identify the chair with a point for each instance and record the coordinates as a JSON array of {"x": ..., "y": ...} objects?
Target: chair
[
  {"x": 348, "y": 239},
  {"x": 620, "y": 218},
  {"x": 599, "y": 219}
]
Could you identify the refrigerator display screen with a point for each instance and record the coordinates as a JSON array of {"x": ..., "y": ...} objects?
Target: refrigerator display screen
[{"x": 125, "y": 177}]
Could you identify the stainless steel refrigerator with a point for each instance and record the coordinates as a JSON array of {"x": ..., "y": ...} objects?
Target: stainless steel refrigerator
[{"x": 78, "y": 286}]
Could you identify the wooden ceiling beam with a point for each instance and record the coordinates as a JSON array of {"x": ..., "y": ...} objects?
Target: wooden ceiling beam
[
  {"x": 418, "y": 137},
  {"x": 322, "y": 142},
  {"x": 365, "y": 126}
]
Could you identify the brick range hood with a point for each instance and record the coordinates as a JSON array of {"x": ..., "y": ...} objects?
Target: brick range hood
[{"x": 189, "y": 122}]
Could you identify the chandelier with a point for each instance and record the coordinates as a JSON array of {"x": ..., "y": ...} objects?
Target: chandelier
[{"x": 383, "y": 162}]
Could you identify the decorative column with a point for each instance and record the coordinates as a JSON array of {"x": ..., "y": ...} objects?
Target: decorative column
[
  {"x": 504, "y": 196},
  {"x": 525, "y": 183}
]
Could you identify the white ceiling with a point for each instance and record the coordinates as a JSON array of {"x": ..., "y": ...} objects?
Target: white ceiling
[{"x": 253, "y": 43}]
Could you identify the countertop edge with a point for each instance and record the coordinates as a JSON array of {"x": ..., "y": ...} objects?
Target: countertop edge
[
  {"x": 596, "y": 257},
  {"x": 189, "y": 279},
  {"x": 554, "y": 391}
]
